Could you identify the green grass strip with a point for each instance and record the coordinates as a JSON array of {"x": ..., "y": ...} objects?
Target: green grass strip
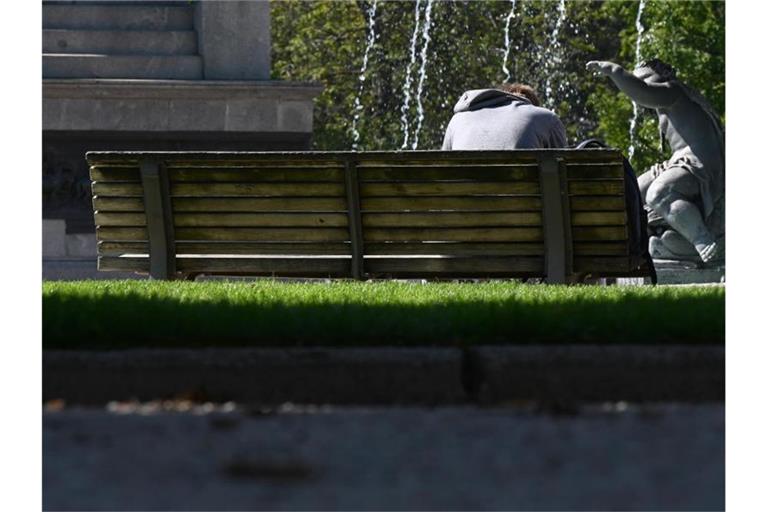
[{"x": 123, "y": 314}]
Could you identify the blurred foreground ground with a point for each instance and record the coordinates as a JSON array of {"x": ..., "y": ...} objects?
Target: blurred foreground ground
[{"x": 175, "y": 455}]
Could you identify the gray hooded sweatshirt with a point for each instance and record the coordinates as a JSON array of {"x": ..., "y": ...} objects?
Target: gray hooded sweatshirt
[{"x": 494, "y": 119}]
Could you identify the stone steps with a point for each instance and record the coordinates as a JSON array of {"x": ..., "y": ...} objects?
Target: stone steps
[
  {"x": 120, "y": 42},
  {"x": 118, "y": 16},
  {"x": 168, "y": 67}
]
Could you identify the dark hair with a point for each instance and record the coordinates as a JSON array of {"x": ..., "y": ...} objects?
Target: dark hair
[
  {"x": 659, "y": 67},
  {"x": 524, "y": 90}
]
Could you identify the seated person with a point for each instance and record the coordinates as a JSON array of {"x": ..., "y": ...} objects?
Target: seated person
[{"x": 509, "y": 117}]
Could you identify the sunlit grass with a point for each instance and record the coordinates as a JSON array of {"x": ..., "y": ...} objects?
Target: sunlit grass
[{"x": 119, "y": 314}]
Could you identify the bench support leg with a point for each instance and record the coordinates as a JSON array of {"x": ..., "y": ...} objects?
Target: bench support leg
[
  {"x": 355, "y": 219},
  {"x": 558, "y": 256},
  {"x": 157, "y": 205}
]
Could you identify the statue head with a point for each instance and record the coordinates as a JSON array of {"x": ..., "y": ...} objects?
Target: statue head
[
  {"x": 524, "y": 90},
  {"x": 655, "y": 70}
]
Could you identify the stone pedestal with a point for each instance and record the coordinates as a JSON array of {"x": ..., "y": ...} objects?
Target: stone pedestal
[
  {"x": 72, "y": 256},
  {"x": 680, "y": 272},
  {"x": 154, "y": 76},
  {"x": 81, "y": 115},
  {"x": 234, "y": 39}
]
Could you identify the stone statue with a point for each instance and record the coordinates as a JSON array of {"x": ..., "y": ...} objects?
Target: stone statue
[{"x": 685, "y": 195}]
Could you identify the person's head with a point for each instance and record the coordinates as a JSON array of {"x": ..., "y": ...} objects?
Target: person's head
[
  {"x": 524, "y": 90},
  {"x": 654, "y": 71}
]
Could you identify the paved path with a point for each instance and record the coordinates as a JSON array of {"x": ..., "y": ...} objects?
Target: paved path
[{"x": 146, "y": 457}]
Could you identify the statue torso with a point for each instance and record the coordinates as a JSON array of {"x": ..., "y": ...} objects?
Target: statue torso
[{"x": 688, "y": 129}]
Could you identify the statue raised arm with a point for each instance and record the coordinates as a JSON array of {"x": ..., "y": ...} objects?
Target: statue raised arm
[
  {"x": 646, "y": 94},
  {"x": 685, "y": 195}
]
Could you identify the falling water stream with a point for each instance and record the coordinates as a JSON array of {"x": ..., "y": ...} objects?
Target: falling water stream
[
  {"x": 638, "y": 58},
  {"x": 507, "y": 46},
  {"x": 555, "y": 57},
  {"x": 408, "y": 73},
  {"x": 369, "y": 44},
  {"x": 551, "y": 55},
  {"x": 422, "y": 71}
]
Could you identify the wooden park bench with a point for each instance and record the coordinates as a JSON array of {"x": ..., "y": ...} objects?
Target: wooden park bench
[{"x": 553, "y": 214}]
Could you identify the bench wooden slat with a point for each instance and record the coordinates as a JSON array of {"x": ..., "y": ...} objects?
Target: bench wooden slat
[
  {"x": 442, "y": 173},
  {"x": 618, "y": 218},
  {"x": 591, "y": 233},
  {"x": 265, "y": 234},
  {"x": 121, "y": 233},
  {"x": 303, "y": 248},
  {"x": 601, "y": 248},
  {"x": 532, "y": 234},
  {"x": 596, "y": 188},
  {"x": 575, "y": 171},
  {"x": 316, "y": 158},
  {"x": 257, "y": 174},
  {"x": 109, "y": 248},
  {"x": 492, "y": 172},
  {"x": 447, "y": 188},
  {"x": 298, "y": 189},
  {"x": 596, "y": 203},
  {"x": 450, "y": 219},
  {"x": 300, "y": 248},
  {"x": 227, "y": 220},
  {"x": 457, "y": 248},
  {"x": 257, "y": 204},
  {"x": 119, "y": 219},
  {"x": 253, "y": 162},
  {"x": 110, "y": 188},
  {"x": 123, "y": 264},
  {"x": 118, "y": 204},
  {"x": 304, "y": 267},
  {"x": 491, "y": 266},
  {"x": 601, "y": 264},
  {"x": 478, "y": 203},
  {"x": 109, "y": 173}
]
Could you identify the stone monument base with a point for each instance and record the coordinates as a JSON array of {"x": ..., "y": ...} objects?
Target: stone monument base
[
  {"x": 72, "y": 256},
  {"x": 679, "y": 272}
]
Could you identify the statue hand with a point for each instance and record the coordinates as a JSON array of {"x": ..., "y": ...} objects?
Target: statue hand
[{"x": 600, "y": 66}]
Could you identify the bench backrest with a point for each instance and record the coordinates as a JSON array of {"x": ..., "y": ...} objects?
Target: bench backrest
[{"x": 543, "y": 213}]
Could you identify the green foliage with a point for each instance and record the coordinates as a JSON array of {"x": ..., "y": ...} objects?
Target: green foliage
[
  {"x": 324, "y": 41},
  {"x": 124, "y": 314},
  {"x": 321, "y": 42}
]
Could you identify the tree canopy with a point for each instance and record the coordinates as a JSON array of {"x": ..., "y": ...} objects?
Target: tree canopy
[{"x": 549, "y": 44}]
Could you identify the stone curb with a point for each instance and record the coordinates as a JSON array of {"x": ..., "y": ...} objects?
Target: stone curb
[
  {"x": 268, "y": 376},
  {"x": 597, "y": 373},
  {"x": 388, "y": 375}
]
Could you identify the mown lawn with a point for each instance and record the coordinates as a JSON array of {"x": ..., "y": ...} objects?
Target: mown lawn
[{"x": 121, "y": 314}]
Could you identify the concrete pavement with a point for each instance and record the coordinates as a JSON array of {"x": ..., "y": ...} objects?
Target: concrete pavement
[{"x": 612, "y": 456}]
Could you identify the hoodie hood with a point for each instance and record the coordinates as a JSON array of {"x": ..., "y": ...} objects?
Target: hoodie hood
[{"x": 485, "y": 98}]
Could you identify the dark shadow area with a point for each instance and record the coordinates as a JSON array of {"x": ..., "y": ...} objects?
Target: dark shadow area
[{"x": 135, "y": 320}]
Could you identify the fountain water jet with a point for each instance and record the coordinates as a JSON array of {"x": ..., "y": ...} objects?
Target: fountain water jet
[
  {"x": 638, "y": 58},
  {"x": 422, "y": 71},
  {"x": 507, "y": 46},
  {"x": 555, "y": 55},
  {"x": 407, "y": 83},
  {"x": 369, "y": 44}
]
